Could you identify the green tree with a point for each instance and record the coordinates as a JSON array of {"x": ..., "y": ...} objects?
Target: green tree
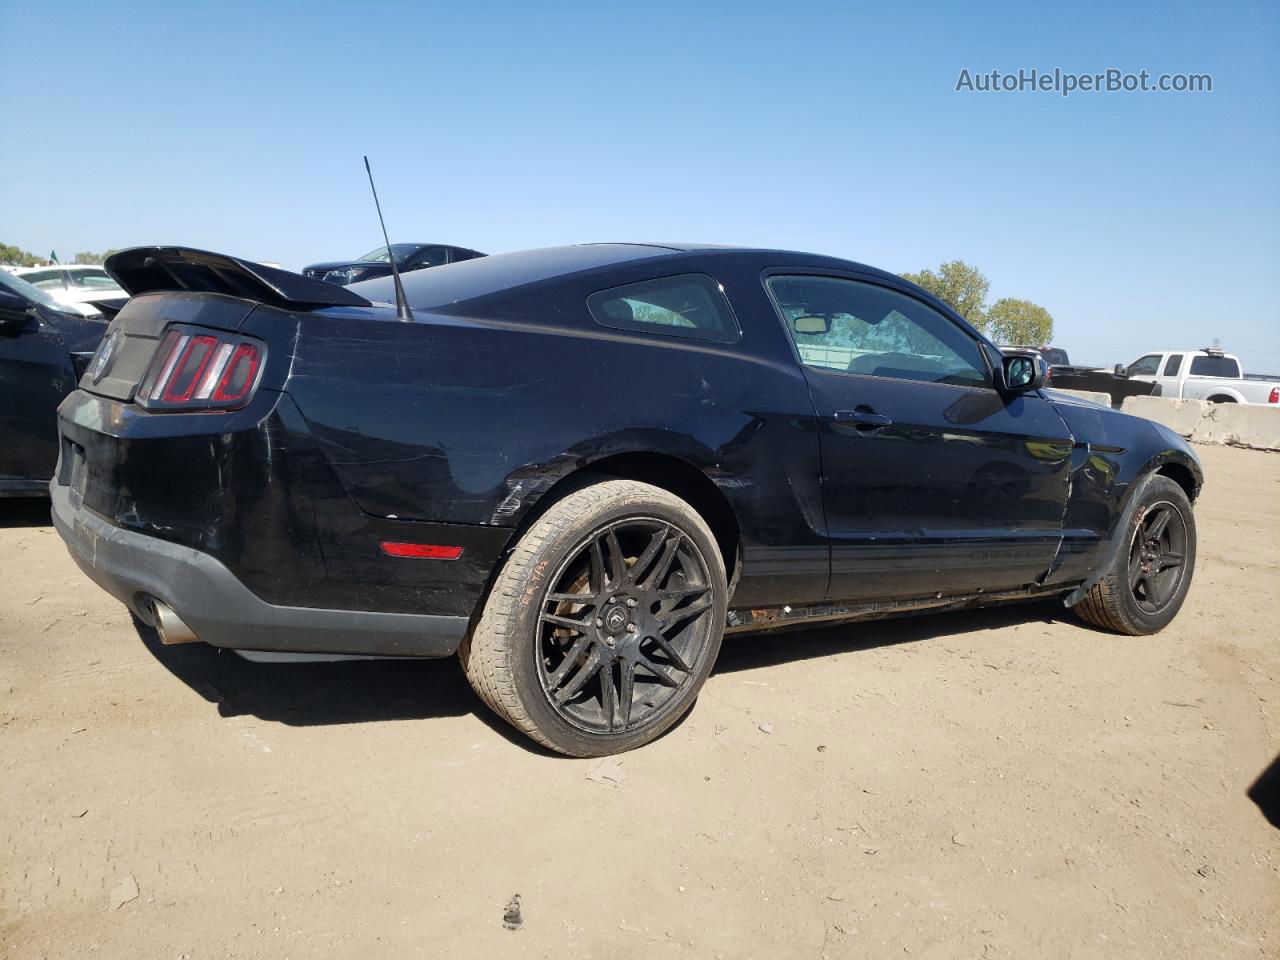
[
  {"x": 959, "y": 285},
  {"x": 1020, "y": 323},
  {"x": 93, "y": 257},
  {"x": 18, "y": 257}
]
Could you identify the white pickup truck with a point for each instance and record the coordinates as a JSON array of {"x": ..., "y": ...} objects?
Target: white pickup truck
[{"x": 1200, "y": 375}]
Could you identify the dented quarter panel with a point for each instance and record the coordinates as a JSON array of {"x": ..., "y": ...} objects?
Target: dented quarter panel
[{"x": 473, "y": 418}]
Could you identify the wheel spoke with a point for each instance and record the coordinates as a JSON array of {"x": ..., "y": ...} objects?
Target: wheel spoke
[
  {"x": 680, "y": 593},
  {"x": 663, "y": 564},
  {"x": 627, "y": 693},
  {"x": 608, "y": 696},
  {"x": 1135, "y": 574},
  {"x": 665, "y": 645},
  {"x": 661, "y": 675},
  {"x": 638, "y": 568},
  {"x": 570, "y": 660},
  {"x": 617, "y": 563},
  {"x": 1159, "y": 523},
  {"x": 672, "y": 617},
  {"x": 567, "y": 622},
  {"x": 574, "y": 686},
  {"x": 1169, "y": 560},
  {"x": 586, "y": 599},
  {"x": 596, "y": 580}
]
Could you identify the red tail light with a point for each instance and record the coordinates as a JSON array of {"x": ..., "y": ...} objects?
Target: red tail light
[
  {"x": 1275, "y": 395},
  {"x": 199, "y": 369}
]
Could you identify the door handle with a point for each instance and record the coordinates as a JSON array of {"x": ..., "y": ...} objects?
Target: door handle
[{"x": 863, "y": 418}]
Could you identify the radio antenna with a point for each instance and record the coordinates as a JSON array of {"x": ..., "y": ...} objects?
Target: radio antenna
[{"x": 402, "y": 304}]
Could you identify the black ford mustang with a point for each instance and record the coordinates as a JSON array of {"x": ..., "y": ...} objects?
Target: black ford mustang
[{"x": 578, "y": 467}]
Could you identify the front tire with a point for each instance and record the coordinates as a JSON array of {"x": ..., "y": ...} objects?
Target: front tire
[
  {"x": 1147, "y": 582},
  {"x": 604, "y": 622}
]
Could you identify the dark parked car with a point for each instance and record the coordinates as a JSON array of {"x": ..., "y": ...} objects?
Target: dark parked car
[
  {"x": 377, "y": 262},
  {"x": 44, "y": 348},
  {"x": 578, "y": 467}
]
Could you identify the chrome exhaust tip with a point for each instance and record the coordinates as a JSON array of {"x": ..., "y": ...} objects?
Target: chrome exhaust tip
[{"x": 170, "y": 626}]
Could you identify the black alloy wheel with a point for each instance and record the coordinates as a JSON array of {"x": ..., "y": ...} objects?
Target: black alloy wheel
[
  {"x": 604, "y": 621},
  {"x": 1147, "y": 578},
  {"x": 1157, "y": 557},
  {"x": 628, "y": 612}
]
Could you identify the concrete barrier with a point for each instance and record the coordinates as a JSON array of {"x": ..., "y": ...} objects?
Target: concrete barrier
[
  {"x": 1096, "y": 396},
  {"x": 1239, "y": 424}
]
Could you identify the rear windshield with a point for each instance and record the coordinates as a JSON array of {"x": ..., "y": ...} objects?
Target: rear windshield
[
  {"x": 1215, "y": 367},
  {"x": 1055, "y": 357}
]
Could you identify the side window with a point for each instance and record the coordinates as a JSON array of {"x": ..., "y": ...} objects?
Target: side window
[
  {"x": 689, "y": 305},
  {"x": 429, "y": 257},
  {"x": 92, "y": 280},
  {"x": 456, "y": 255},
  {"x": 863, "y": 328},
  {"x": 45, "y": 279},
  {"x": 1172, "y": 364},
  {"x": 1145, "y": 366}
]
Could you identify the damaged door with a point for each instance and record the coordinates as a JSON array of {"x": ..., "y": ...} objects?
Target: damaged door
[{"x": 934, "y": 482}]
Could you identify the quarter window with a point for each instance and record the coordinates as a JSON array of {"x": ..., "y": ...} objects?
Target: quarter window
[
  {"x": 1172, "y": 364},
  {"x": 689, "y": 305},
  {"x": 863, "y": 328}
]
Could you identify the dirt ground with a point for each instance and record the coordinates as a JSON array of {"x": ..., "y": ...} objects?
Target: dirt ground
[{"x": 1004, "y": 783}]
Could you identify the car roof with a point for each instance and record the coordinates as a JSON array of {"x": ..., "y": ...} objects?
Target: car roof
[
  {"x": 59, "y": 266},
  {"x": 504, "y": 271}
]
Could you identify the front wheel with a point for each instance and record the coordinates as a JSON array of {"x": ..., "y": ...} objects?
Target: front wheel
[
  {"x": 1148, "y": 580},
  {"x": 605, "y": 620}
]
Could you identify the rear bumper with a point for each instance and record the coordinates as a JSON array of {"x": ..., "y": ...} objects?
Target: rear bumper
[{"x": 136, "y": 568}]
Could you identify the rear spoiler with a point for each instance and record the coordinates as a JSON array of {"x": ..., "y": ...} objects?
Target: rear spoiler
[{"x": 147, "y": 269}]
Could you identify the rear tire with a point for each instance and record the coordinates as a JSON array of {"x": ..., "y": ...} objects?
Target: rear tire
[
  {"x": 604, "y": 622},
  {"x": 1147, "y": 582}
]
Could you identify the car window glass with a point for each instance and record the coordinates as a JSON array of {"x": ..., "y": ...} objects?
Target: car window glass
[
  {"x": 28, "y": 291},
  {"x": 92, "y": 280},
  {"x": 380, "y": 255},
  {"x": 864, "y": 328},
  {"x": 45, "y": 279},
  {"x": 1205, "y": 366},
  {"x": 429, "y": 257},
  {"x": 1145, "y": 366},
  {"x": 688, "y": 305},
  {"x": 1172, "y": 364}
]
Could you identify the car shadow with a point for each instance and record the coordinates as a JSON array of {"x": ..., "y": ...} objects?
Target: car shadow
[
  {"x": 25, "y": 512},
  {"x": 321, "y": 694},
  {"x": 367, "y": 691},
  {"x": 768, "y": 648}
]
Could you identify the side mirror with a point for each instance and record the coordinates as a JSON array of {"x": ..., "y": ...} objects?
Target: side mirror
[
  {"x": 13, "y": 308},
  {"x": 1023, "y": 372},
  {"x": 811, "y": 324},
  {"x": 1121, "y": 370}
]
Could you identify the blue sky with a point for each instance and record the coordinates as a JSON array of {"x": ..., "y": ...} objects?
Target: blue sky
[{"x": 1140, "y": 220}]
